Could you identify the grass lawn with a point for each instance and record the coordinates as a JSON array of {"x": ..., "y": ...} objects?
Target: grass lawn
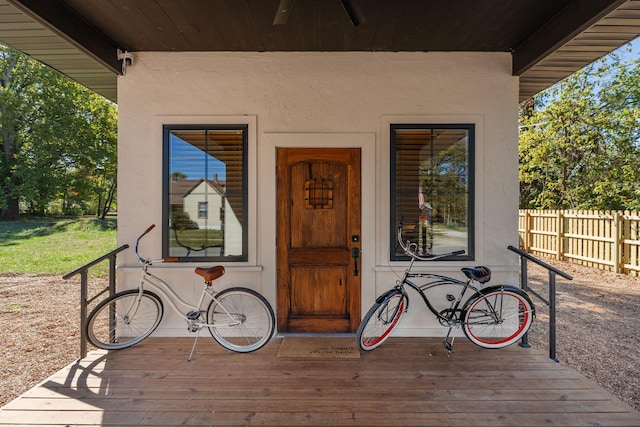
[{"x": 55, "y": 245}]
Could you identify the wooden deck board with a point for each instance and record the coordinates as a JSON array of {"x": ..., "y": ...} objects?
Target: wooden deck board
[{"x": 407, "y": 381}]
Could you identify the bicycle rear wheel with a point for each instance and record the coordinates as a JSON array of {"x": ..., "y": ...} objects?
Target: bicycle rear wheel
[
  {"x": 244, "y": 320},
  {"x": 124, "y": 319},
  {"x": 381, "y": 319},
  {"x": 497, "y": 318}
]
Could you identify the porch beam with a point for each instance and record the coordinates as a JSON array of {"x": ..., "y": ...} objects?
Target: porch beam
[
  {"x": 575, "y": 18},
  {"x": 62, "y": 21}
]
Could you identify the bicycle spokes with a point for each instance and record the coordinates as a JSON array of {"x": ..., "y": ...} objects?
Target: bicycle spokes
[
  {"x": 226, "y": 319},
  {"x": 497, "y": 319},
  {"x": 387, "y": 314},
  {"x": 380, "y": 321},
  {"x": 240, "y": 320}
]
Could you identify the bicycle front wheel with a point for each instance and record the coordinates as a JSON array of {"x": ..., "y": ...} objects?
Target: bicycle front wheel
[
  {"x": 381, "y": 319},
  {"x": 497, "y": 318},
  {"x": 124, "y": 319},
  {"x": 243, "y": 320}
]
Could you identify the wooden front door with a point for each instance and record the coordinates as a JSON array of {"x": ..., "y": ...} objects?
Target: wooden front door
[{"x": 318, "y": 239}]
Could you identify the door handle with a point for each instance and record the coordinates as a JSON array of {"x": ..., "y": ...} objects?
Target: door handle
[{"x": 355, "y": 253}]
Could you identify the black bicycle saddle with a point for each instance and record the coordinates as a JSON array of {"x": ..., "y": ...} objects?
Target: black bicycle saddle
[{"x": 480, "y": 274}]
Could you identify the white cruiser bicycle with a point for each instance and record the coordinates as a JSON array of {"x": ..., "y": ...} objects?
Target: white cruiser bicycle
[{"x": 239, "y": 319}]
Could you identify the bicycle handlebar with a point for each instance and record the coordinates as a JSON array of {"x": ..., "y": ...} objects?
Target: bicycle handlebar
[
  {"x": 410, "y": 248},
  {"x": 143, "y": 261}
]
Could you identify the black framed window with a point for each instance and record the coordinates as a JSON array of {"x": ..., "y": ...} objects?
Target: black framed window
[
  {"x": 205, "y": 192},
  {"x": 432, "y": 170}
]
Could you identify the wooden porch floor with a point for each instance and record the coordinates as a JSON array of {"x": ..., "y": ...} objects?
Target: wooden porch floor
[{"x": 405, "y": 382}]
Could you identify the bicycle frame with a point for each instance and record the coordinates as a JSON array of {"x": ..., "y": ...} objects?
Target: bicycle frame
[
  {"x": 438, "y": 280},
  {"x": 192, "y": 312},
  {"x": 179, "y": 305}
]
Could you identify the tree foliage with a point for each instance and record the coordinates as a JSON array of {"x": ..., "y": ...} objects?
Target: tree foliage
[
  {"x": 446, "y": 177},
  {"x": 58, "y": 142},
  {"x": 579, "y": 146}
]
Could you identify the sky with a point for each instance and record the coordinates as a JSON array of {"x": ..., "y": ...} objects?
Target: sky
[
  {"x": 193, "y": 162},
  {"x": 633, "y": 54}
]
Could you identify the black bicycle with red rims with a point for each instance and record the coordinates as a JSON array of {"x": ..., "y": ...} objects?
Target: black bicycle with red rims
[{"x": 491, "y": 317}]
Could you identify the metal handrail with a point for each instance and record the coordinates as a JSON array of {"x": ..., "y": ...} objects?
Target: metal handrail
[
  {"x": 84, "y": 298},
  {"x": 551, "y": 302}
]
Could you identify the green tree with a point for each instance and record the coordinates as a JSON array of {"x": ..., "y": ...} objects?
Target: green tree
[
  {"x": 579, "y": 141},
  {"x": 17, "y": 75},
  {"x": 58, "y": 142},
  {"x": 446, "y": 177}
]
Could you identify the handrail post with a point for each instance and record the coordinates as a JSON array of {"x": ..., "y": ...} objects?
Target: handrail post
[
  {"x": 552, "y": 316},
  {"x": 83, "y": 313},
  {"x": 84, "y": 292},
  {"x": 112, "y": 290},
  {"x": 524, "y": 283},
  {"x": 551, "y": 303}
]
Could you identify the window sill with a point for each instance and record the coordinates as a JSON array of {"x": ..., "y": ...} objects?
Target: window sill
[{"x": 191, "y": 265}]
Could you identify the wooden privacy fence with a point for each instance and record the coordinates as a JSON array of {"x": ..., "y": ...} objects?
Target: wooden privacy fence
[{"x": 609, "y": 240}]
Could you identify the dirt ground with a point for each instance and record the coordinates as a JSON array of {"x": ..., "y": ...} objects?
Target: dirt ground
[{"x": 598, "y": 328}]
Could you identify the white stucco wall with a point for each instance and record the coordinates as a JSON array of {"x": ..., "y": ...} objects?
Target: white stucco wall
[{"x": 317, "y": 99}]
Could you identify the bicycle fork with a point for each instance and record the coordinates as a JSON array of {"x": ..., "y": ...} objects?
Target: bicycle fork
[{"x": 130, "y": 313}]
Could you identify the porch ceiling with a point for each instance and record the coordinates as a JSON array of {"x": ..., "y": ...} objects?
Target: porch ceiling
[{"x": 549, "y": 39}]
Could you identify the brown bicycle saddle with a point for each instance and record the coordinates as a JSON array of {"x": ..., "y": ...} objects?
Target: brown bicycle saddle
[{"x": 211, "y": 273}]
